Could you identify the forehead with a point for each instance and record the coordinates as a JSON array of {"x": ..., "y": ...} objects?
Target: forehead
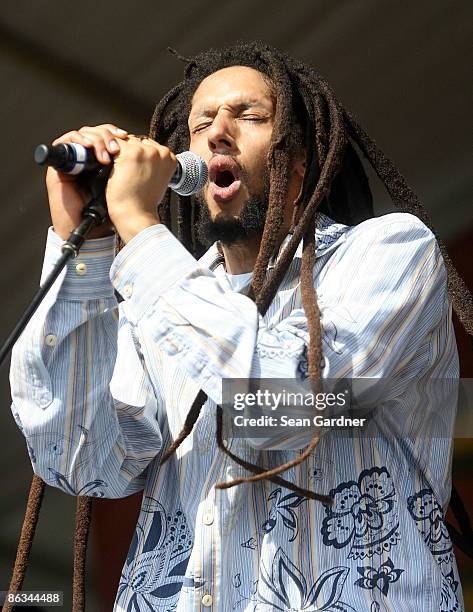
[{"x": 229, "y": 85}]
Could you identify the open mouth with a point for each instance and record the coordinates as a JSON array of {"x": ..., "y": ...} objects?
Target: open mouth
[{"x": 224, "y": 178}]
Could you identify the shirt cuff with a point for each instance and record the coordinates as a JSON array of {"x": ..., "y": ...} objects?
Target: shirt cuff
[
  {"x": 87, "y": 275},
  {"x": 150, "y": 264}
]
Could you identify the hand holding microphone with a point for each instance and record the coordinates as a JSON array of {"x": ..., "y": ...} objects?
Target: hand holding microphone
[
  {"x": 142, "y": 171},
  {"x": 72, "y": 158}
]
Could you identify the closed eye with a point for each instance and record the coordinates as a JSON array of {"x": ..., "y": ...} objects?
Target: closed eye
[
  {"x": 252, "y": 118},
  {"x": 201, "y": 127}
]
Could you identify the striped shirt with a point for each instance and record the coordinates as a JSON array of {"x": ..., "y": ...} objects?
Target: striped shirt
[{"x": 100, "y": 389}]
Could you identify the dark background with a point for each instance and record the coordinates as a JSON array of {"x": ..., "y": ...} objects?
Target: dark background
[{"x": 403, "y": 68}]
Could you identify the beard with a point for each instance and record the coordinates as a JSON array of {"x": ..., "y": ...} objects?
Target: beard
[{"x": 248, "y": 224}]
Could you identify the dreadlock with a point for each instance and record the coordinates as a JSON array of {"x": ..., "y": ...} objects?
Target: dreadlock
[
  {"x": 309, "y": 115},
  {"x": 295, "y": 115}
]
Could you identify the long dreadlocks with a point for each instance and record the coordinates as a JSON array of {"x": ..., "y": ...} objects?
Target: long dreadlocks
[
  {"x": 307, "y": 114},
  {"x": 334, "y": 182}
]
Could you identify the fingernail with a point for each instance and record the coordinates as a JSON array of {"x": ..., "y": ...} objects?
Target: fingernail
[
  {"x": 113, "y": 145},
  {"x": 106, "y": 157},
  {"x": 120, "y": 131}
]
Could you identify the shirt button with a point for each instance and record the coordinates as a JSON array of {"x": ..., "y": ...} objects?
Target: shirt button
[
  {"x": 207, "y": 600},
  {"x": 208, "y": 518},
  {"x": 128, "y": 291},
  {"x": 50, "y": 340},
  {"x": 81, "y": 269}
]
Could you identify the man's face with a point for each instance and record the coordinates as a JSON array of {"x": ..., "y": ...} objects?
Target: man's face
[{"x": 230, "y": 125}]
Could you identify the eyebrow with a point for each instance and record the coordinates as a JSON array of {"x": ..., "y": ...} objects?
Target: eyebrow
[{"x": 209, "y": 111}]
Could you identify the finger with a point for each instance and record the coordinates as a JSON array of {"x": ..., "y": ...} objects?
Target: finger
[
  {"x": 163, "y": 151},
  {"x": 110, "y": 133},
  {"x": 147, "y": 141},
  {"x": 89, "y": 138},
  {"x": 74, "y": 136},
  {"x": 136, "y": 137},
  {"x": 105, "y": 139},
  {"x": 116, "y": 131},
  {"x": 136, "y": 142},
  {"x": 103, "y": 142}
]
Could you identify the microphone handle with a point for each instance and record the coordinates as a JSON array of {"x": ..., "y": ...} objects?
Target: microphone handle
[{"x": 73, "y": 158}]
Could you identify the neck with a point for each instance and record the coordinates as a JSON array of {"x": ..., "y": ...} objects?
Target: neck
[{"x": 240, "y": 257}]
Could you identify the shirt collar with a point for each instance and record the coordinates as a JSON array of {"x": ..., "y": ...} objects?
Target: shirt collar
[{"x": 328, "y": 235}]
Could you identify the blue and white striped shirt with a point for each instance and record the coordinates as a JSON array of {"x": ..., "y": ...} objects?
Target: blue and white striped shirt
[{"x": 100, "y": 388}]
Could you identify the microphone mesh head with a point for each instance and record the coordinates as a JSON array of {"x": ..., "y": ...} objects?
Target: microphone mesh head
[{"x": 194, "y": 173}]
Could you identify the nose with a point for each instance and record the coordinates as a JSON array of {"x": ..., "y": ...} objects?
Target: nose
[{"x": 221, "y": 135}]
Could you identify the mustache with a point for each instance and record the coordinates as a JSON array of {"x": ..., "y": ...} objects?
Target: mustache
[{"x": 242, "y": 171}]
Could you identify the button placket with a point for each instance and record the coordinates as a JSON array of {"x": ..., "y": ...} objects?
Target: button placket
[
  {"x": 208, "y": 517},
  {"x": 127, "y": 291},
  {"x": 50, "y": 340},
  {"x": 81, "y": 268},
  {"x": 207, "y": 600},
  {"x": 205, "y": 564}
]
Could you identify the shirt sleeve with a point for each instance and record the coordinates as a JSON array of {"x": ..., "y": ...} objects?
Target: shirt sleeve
[
  {"x": 381, "y": 295},
  {"x": 80, "y": 438}
]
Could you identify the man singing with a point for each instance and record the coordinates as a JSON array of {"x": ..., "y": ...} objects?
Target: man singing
[{"x": 300, "y": 281}]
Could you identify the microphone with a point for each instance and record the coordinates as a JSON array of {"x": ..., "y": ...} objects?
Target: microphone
[{"x": 190, "y": 176}]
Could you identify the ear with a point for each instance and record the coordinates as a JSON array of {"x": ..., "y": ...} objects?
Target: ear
[
  {"x": 299, "y": 163},
  {"x": 297, "y": 174},
  {"x": 296, "y": 181}
]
